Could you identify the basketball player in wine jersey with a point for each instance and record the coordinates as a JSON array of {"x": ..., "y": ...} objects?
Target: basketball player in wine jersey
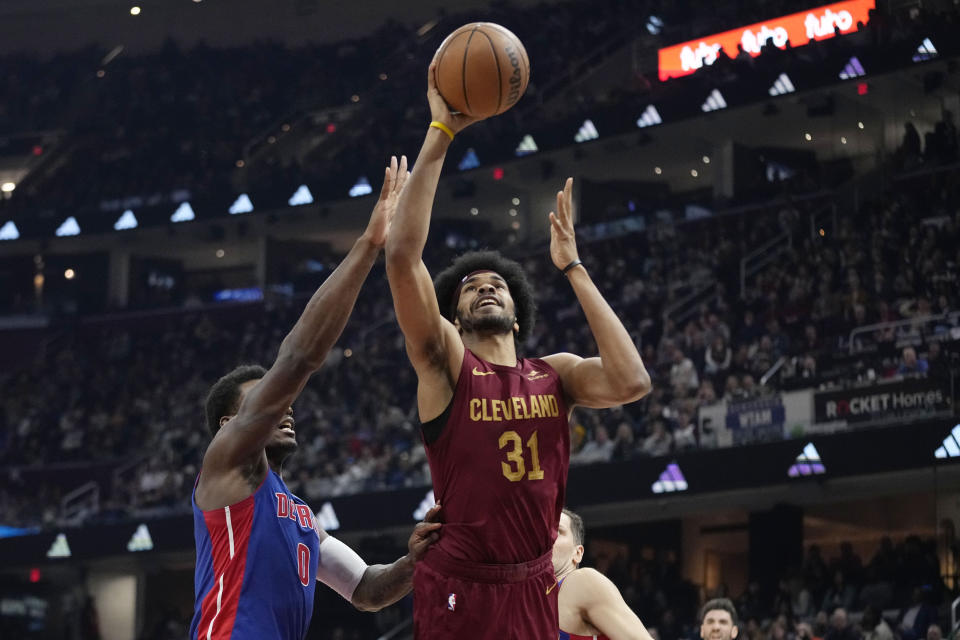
[
  {"x": 591, "y": 607},
  {"x": 494, "y": 424},
  {"x": 260, "y": 549}
]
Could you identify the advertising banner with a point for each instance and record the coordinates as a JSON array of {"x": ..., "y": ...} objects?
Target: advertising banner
[
  {"x": 913, "y": 397},
  {"x": 799, "y": 28}
]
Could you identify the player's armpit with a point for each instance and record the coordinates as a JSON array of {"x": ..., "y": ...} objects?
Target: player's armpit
[
  {"x": 602, "y": 606},
  {"x": 587, "y": 384}
]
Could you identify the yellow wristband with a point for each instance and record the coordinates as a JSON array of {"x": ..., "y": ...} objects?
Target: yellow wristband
[{"x": 439, "y": 125}]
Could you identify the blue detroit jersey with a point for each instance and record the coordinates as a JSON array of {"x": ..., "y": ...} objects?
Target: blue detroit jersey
[{"x": 256, "y": 566}]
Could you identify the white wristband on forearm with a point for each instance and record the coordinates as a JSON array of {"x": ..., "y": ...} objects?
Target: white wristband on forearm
[{"x": 340, "y": 568}]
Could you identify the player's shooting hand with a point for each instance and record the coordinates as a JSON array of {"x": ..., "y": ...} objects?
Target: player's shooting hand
[
  {"x": 394, "y": 179},
  {"x": 563, "y": 240},
  {"x": 425, "y": 533},
  {"x": 439, "y": 110}
]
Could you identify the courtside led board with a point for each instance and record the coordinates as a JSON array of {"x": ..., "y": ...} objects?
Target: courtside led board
[{"x": 799, "y": 28}]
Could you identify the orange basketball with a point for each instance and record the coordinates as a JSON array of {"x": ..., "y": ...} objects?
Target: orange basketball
[{"x": 482, "y": 69}]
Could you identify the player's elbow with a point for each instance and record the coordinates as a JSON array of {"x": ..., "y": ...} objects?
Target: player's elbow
[
  {"x": 365, "y": 606},
  {"x": 634, "y": 386}
]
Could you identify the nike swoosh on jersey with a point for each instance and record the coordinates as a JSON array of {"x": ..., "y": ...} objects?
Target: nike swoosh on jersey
[
  {"x": 551, "y": 587},
  {"x": 477, "y": 372}
]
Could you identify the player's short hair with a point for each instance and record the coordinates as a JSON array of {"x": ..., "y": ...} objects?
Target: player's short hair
[
  {"x": 447, "y": 285},
  {"x": 720, "y": 604},
  {"x": 224, "y": 396},
  {"x": 577, "y": 529}
]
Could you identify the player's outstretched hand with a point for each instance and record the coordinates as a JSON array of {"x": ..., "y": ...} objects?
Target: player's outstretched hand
[
  {"x": 563, "y": 240},
  {"x": 439, "y": 111},
  {"x": 425, "y": 533},
  {"x": 394, "y": 179}
]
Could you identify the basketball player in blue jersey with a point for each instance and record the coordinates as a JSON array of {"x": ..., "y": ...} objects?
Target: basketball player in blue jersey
[
  {"x": 260, "y": 549},
  {"x": 591, "y": 607}
]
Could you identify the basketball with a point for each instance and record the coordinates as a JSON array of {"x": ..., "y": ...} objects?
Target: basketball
[{"x": 482, "y": 69}]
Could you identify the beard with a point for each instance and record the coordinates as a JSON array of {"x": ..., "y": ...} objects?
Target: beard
[
  {"x": 277, "y": 452},
  {"x": 487, "y": 324}
]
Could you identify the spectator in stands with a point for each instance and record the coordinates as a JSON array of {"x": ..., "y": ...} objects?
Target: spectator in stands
[
  {"x": 659, "y": 441},
  {"x": 840, "y": 594},
  {"x": 916, "y": 621},
  {"x": 623, "y": 443},
  {"x": 937, "y": 365},
  {"x": 934, "y": 632},
  {"x": 683, "y": 375},
  {"x": 685, "y": 433},
  {"x": 717, "y": 358},
  {"x": 910, "y": 365},
  {"x": 600, "y": 449},
  {"x": 840, "y": 628},
  {"x": 874, "y": 626}
]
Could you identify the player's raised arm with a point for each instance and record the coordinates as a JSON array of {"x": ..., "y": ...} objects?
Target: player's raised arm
[
  {"x": 601, "y": 605},
  {"x": 303, "y": 350},
  {"x": 618, "y": 375},
  {"x": 429, "y": 337}
]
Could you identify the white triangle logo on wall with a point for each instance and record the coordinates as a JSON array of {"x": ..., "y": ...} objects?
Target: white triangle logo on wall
[
  {"x": 649, "y": 118},
  {"x": 140, "y": 540},
  {"x": 587, "y": 132},
  {"x": 782, "y": 85},
  {"x": 925, "y": 51},
  {"x": 527, "y": 146},
  {"x": 241, "y": 205},
  {"x": 327, "y": 518},
  {"x": 300, "y": 197},
  {"x": 184, "y": 213},
  {"x": 126, "y": 221},
  {"x": 60, "y": 547},
  {"x": 68, "y": 228},
  {"x": 951, "y": 445},
  {"x": 425, "y": 505},
  {"x": 808, "y": 463},
  {"x": 9, "y": 231},
  {"x": 715, "y": 102}
]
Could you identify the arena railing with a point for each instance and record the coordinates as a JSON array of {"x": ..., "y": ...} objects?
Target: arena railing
[
  {"x": 951, "y": 318},
  {"x": 82, "y": 501}
]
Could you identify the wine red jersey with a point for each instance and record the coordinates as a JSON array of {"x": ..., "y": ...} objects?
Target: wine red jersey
[{"x": 500, "y": 462}]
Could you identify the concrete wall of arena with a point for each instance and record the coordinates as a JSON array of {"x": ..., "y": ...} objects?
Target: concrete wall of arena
[{"x": 48, "y": 26}]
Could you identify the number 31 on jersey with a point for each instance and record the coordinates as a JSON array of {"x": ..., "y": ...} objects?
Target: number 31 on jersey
[{"x": 515, "y": 468}]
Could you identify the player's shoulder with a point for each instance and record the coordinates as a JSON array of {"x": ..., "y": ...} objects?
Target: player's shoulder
[
  {"x": 584, "y": 578},
  {"x": 560, "y": 362}
]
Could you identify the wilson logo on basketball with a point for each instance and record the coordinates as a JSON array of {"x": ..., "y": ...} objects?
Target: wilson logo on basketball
[{"x": 516, "y": 78}]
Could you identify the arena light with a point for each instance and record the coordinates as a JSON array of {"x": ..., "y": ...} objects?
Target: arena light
[
  {"x": 853, "y": 69},
  {"x": 241, "y": 205},
  {"x": 60, "y": 547},
  {"x": 649, "y": 118},
  {"x": 126, "y": 221},
  {"x": 808, "y": 463},
  {"x": 69, "y": 227},
  {"x": 782, "y": 85},
  {"x": 671, "y": 480},
  {"x": 469, "y": 161},
  {"x": 587, "y": 132},
  {"x": 8, "y": 187},
  {"x": 301, "y": 197},
  {"x": 140, "y": 540},
  {"x": 715, "y": 101},
  {"x": 527, "y": 146},
  {"x": 951, "y": 445},
  {"x": 134, "y": 10},
  {"x": 925, "y": 51},
  {"x": 9, "y": 231},
  {"x": 654, "y": 25},
  {"x": 361, "y": 188},
  {"x": 184, "y": 213}
]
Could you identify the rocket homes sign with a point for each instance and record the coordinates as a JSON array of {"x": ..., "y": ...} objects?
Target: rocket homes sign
[{"x": 799, "y": 28}]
